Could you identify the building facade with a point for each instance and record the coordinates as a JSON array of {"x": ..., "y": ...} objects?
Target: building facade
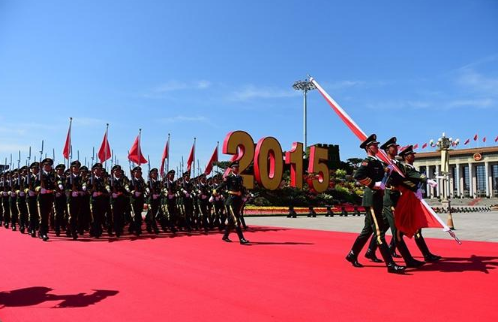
[{"x": 473, "y": 173}]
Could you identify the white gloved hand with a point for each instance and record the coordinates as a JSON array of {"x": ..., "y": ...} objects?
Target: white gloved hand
[
  {"x": 31, "y": 193},
  {"x": 84, "y": 188},
  {"x": 57, "y": 194},
  {"x": 43, "y": 191},
  {"x": 114, "y": 195},
  {"x": 61, "y": 187},
  {"x": 419, "y": 194},
  {"x": 379, "y": 185},
  {"x": 432, "y": 183},
  {"x": 75, "y": 193},
  {"x": 211, "y": 200}
]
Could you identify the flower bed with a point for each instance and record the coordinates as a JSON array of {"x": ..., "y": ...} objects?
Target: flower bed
[{"x": 337, "y": 209}]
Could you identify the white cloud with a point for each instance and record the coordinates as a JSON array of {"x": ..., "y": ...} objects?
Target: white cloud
[
  {"x": 184, "y": 119},
  {"x": 174, "y": 85},
  {"x": 475, "y": 81},
  {"x": 479, "y": 103},
  {"x": 252, "y": 92}
]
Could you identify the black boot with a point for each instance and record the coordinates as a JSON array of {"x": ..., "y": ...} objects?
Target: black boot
[
  {"x": 242, "y": 240},
  {"x": 428, "y": 256},
  {"x": 392, "y": 248},
  {"x": 371, "y": 256},
  {"x": 353, "y": 259},
  {"x": 407, "y": 257},
  {"x": 392, "y": 267}
]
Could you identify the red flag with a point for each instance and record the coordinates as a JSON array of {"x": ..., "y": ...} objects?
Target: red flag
[
  {"x": 415, "y": 146},
  {"x": 191, "y": 158},
  {"x": 135, "y": 154},
  {"x": 496, "y": 139},
  {"x": 424, "y": 146},
  {"x": 484, "y": 139},
  {"x": 411, "y": 215},
  {"x": 165, "y": 155},
  {"x": 466, "y": 142},
  {"x": 67, "y": 146},
  {"x": 475, "y": 137},
  {"x": 105, "y": 150},
  {"x": 214, "y": 158}
]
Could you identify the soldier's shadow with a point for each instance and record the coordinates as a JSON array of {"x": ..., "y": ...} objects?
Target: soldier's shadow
[
  {"x": 279, "y": 243},
  {"x": 31, "y": 296},
  {"x": 462, "y": 264}
]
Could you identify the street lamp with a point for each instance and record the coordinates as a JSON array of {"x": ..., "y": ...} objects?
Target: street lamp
[
  {"x": 444, "y": 144},
  {"x": 304, "y": 86}
]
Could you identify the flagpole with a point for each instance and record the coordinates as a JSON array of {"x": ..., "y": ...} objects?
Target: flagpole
[
  {"x": 167, "y": 161},
  {"x": 139, "y": 149},
  {"x": 105, "y": 146}
]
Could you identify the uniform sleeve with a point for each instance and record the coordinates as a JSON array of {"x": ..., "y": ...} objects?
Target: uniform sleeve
[{"x": 362, "y": 175}]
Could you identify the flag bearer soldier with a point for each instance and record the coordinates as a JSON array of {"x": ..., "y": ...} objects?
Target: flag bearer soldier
[
  {"x": 100, "y": 198},
  {"x": 120, "y": 188},
  {"x": 187, "y": 190},
  {"x": 235, "y": 188},
  {"x": 14, "y": 188},
  {"x": 370, "y": 174},
  {"x": 5, "y": 188},
  {"x": 45, "y": 188},
  {"x": 137, "y": 188},
  {"x": 154, "y": 202},
  {"x": 390, "y": 200},
  {"x": 60, "y": 202},
  {"x": 74, "y": 186},
  {"x": 32, "y": 180},
  {"x": 170, "y": 187},
  {"x": 21, "y": 200},
  {"x": 418, "y": 179},
  {"x": 203, "y": 199},
  {"x": 85, "y": 213}
]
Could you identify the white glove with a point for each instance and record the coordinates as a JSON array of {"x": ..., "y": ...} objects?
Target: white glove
[
  {"x": 75, "y": 193},
  {"x": 432, "y": 183},
  {"x": 57, "y": 194},
  {"x": 61, "y": 187},
  {"x": 114, "y": 195},
  {"x": 419, "y": 194},
  {"x": 84, "y": 188},
  {"x": 137, "y": 193},
  {"x": 379, "y": 185},
  {"x": 43, "y": 191},
  {"x": 211, "y": 200},
  {"x": 95, "y": 194},
  {"x": 31, "y": 193}
]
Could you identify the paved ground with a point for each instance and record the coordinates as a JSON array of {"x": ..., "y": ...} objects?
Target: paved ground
[{"x": 469, "y": 226}]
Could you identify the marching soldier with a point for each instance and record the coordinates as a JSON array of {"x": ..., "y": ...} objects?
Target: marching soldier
[
  {"x": 187, "y": 200},
  {"x": 75, "y": 187},
  {"x": 235, "y": 188},
  {"x": 45, "y": 188},
  {"x": 154, "y": 202},
  {"x": 203, "y": 199},
  {"x": 370, "y": 174},
  {"x": 171, "y": 199},
  {"x": 417, "y": 178},
  {"x": 14, "y": 186},
  {"x": 99, "y": 199},
  {"x": 5, "y": 187},
  {"x": 120, "y": 188},
  {"x": 219, "y": 203},
  {"x": 390, "y": 200},
  {"x": 137, "y": 188},
  {"x": 60, "y": 202},
  {"x": 85, "y": 213},
  {"x": 21, "y": 200},
  {"x": 32, "y": 180}
]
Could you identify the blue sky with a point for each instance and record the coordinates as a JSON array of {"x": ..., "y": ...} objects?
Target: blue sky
[{"x": 411, "y": 69}]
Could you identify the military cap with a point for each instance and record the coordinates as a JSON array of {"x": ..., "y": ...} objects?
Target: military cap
[
  {"x": 76, "y": 163},
  {"x": 84, "y": 168},
  {"x": 186, "y": 173},
  {"x": 137, "y": 168},
  {"x": 153, "y": 170},
  {"x": 97, "y": 165},
  {"x": 234, "y": 164},
  {"x": 406, "y": 151},
  {"x": 34, "y": 165},
  {"x": 116, "y": 167},
  {"x": 372, "y": 139},
  {"x": 48, "y": 161},
  {"x": 171, "y": 172},
  {"x": 24, "y": 168},
  {"x": 390, "y": 142},
  {"x": 60, "y": 166}
]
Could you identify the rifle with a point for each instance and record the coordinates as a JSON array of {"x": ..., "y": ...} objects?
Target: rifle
[
  {"x": 19, "y": 169},
  {"x": 40, "y": 170}
]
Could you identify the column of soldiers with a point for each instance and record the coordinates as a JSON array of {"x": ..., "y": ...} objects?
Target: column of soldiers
[
  {"x": 381, "y": 195},
  {"x": 77, "y": 201}
]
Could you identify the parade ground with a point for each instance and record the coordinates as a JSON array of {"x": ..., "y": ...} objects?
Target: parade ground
[{"x": 293, "y": 270}]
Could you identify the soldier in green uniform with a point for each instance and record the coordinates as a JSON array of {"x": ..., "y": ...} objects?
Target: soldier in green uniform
[
  {"x": 100, "y": 198},
  {"x": 14, "y": 186},
  {"x": 120, "y": 189},
  {"x": 85, "y": 213},
  {"x": 45, "y": 187},
  {"x": 170, "y": 187},
  {"x": 32, "y": 180},
  {"x": 60, "y": 202},
  {"x": 137, "y": 188},
  {"x": 371, "y": 174},
  {"x": 187, "y": 189},
  {"x": 218, "y": 201},
  {"x": 75, "y": 191},
  {"x": 154, "y": 196},
  {"x": 21, "y": 200},
  {"x": 203, "y": 194},
  {"x": 417, "y": 178},
  {"x": 235, "y": 188},
  {"x": 5, "y": 187},
  {"x": 391, "y": 197}
]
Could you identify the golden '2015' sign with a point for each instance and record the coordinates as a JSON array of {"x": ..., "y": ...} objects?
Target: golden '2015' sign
[{"x": 269, "y": 161}]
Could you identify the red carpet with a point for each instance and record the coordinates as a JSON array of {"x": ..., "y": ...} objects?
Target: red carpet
[{"x": 286, "y": 275}]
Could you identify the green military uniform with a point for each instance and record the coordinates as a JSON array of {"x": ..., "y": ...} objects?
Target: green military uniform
[
  {"x": 171, "y": 191},
  {"x": 60, "y": 202},
  {"x": 154, "y": 196},
  {"x": 99, "y": 199},
  {"x": 46, "y": 189},
  {"x": 5, "y": 191},
  {"x": 120, "y": 188},
  {"x": 235, "y": 188},
  {"x": 370, "y": 174},
  {"x": 137, "y": 188},
  {"x": 21, "y": 201}
]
